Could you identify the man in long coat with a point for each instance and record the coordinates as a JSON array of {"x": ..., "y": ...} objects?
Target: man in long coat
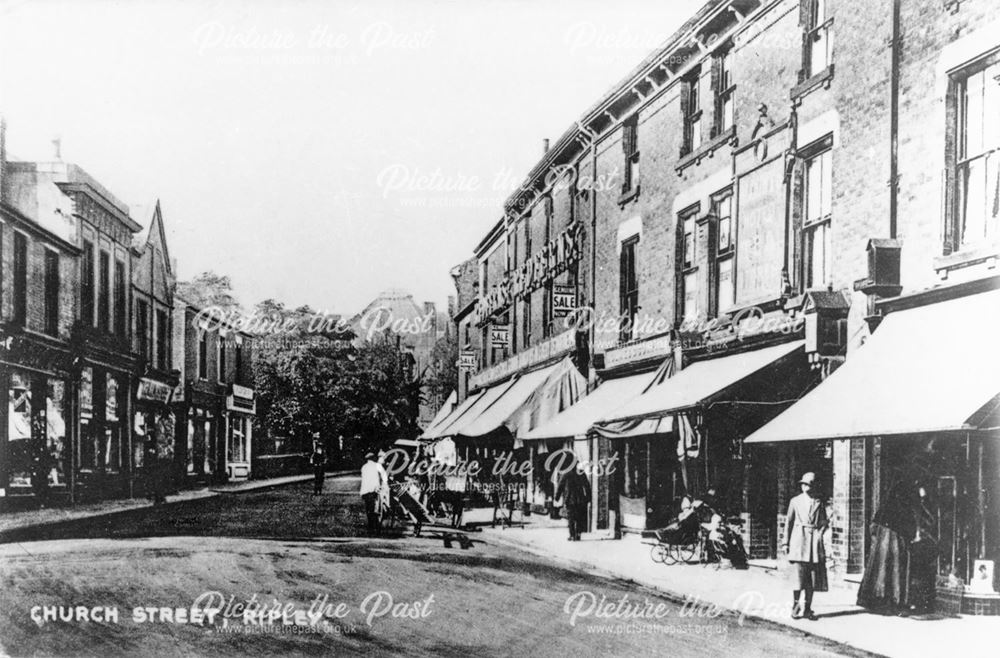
[
  {"x": 574, "y": 489},
  {"x": 804, "y": 528}
]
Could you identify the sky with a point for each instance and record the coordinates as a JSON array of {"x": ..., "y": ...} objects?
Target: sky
[{"x": 316, "y": 152}]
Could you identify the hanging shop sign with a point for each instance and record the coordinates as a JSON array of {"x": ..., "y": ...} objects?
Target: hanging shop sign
[
  {"x": 563, "y": 300},
  {"x": 467, "y": 360},
  {"x": 500, "y": 336},
  {"x": 554, "y": 258},
  {"x": 241, "y": 398},
  {"x": 154, "y": 391}
]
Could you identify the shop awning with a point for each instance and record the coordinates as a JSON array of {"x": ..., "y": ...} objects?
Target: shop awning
[
  {"x": 539, "y": 394},
  {"x": 577, "y": 420},
  {"x": 468, "y": 411},
  {"x": 700, "y": 382},
  {"x": 927, "y": 369},
  {"x": 443, "y": 413}
]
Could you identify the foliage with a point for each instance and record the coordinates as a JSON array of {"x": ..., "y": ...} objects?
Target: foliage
[{"x": 209, "y": 289}]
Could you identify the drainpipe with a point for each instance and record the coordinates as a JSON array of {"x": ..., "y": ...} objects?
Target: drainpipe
[{"x": 894, "y": 119}]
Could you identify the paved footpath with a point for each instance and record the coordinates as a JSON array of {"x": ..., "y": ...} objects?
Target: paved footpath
[
  {"x": 49, "y": 515},
  {"x": 757, "y": 592}
]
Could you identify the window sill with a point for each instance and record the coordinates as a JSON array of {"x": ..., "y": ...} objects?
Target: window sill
[
  {"x": 823, "y": 78},
  {"x": 967, "y": 257},
  {"x": 628, "y": 195},
  {"x": 707, "y": 149}
]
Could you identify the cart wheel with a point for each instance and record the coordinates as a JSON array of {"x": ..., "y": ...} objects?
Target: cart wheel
[
  {"x": 659, "y": 553},
  {"x": 685, "y": 552}
]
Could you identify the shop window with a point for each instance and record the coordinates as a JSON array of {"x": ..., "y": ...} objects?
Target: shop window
[
  {"x": 88, "y": 452},
  {"x": 120, "y": 314},
  {"x": 817, "y": 202},
  {"x": 87, "y": 284},
  {"x": 191, "y": 443},
  {"x": 162, "y": 342},
  {"x": 630, "y": 146},
  {"x": 691, "y": 113},
  {"x": 20, "y": 297},
  {"x": 19, "y": 416},
  {"x": 722, "y": 85},
  {"x": 817, "y": 39},
  {"x": 628, "y": 281},
  {"x": 55, "y": 432},
  {"x": 142, "y": 327},
  {"x": 236, "y": 451},
  {"x": 104, "y": 291},
  {"x": 975, "y": 174},
  {"x": 112, "y": 427},
  {"x": 51, "y": 292}
]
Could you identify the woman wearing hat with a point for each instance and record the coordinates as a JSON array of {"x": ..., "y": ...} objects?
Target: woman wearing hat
[{"x": 804, "y": 528}]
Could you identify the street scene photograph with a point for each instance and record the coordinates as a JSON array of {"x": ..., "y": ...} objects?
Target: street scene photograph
[{"x": 500, "y": 328}]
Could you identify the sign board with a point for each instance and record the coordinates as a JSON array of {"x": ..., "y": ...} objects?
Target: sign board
[
  {"x": 500, "y": 336},
  {"x": 563, "y": 300},
  {"x": 154, "y": 391},
  {"x": 467, "y": 360},
  {"x": 760, "y": 237}
]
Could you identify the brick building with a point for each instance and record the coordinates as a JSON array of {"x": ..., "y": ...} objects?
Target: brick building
[
  {"x": 215, "y": 404},
  {"x": 735, "y": 237}
]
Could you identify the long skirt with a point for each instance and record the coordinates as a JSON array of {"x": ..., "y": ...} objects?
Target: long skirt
[{"x": 884, "y": 585}]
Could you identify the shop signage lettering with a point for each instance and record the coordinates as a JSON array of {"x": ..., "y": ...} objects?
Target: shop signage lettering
[
  {"x": 242, "y": 392},
  {"x": 467, "y": 360},
  {"x": 563, "y": 301},
  {"x": 154, "y": 391},
  {"x": 554, "y": 258},
  {"x": 500, "y": 336}
]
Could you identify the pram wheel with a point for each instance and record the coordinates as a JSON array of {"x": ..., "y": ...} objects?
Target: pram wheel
[
  {"x": 684, "y": 552},
  {"x": 660, "y": 554}
]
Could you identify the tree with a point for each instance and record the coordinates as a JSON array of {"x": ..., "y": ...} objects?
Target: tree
[{"x": 209, "y": 289}]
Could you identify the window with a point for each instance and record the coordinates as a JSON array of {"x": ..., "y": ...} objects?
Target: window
[
  {"x": 526, "y": 321},
  {"x": 142, "y": 327},
  {"x": 722, "y": 84},
  {"x": 725, "y": 279},
  {"x": 630, "y": 146},
  {"x": 88, "y": 440},
  {"x": 162, "y": 347},
  {"x": 104, "y": 292},
  {"x": 547, "y": 310},
  {"x": 816, "y": 221},
  {"x": 221, "y": 363},
  {"x": 87, "y": 284},
  {"x": 20, "y": 279},
  {"x": 51, "y": 292},
  {"x": 202, "y": 354},
  {"x": 691, "y": 112},
  {"x": 818, "y": 37},
  {"x": 977, "y": 158},
  {"x": 120, "y": 314},
  {"x": 687, "y": 269},
  {"x": 629, "y": 289},
  {"x": 238, "y": 356}
]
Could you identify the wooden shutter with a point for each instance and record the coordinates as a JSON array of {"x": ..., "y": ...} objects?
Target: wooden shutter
[{"x": 679, "y": 271}]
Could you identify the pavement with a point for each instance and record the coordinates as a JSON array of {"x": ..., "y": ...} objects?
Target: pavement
[
  {"x": 50, "y": 515},
  {"x": 760, "y": 592}
]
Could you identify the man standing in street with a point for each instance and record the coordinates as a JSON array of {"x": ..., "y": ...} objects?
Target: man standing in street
[
  {"x": 574, "y": 490},
  {"x": 804, "y": 528},
  {"x": 372, "y": 485},
  {"x": 318, "y": 463}
]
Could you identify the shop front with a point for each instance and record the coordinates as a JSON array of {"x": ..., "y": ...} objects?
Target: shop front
[
  {"x": 201, "y": 435},
  {"x": 241, "y": 408},
  {"x": 35, "y": 454},
  {"x": 905, "y": 422},
  {"x": 153, "y": 427},
  {"x": 105, "y": 449}
]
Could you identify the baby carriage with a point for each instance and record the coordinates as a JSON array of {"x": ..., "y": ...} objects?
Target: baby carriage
[{"x": 678, "y": 542}]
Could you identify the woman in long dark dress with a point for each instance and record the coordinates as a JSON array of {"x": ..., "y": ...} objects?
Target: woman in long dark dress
[{"x": 885, "y": 584}]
